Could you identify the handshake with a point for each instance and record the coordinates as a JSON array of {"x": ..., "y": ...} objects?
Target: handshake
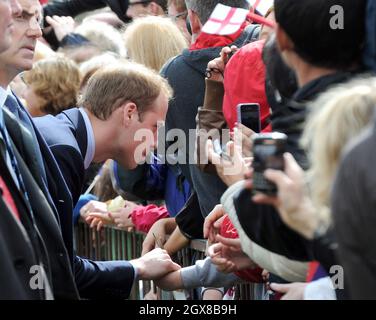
[{"x": 154, "y": 265}]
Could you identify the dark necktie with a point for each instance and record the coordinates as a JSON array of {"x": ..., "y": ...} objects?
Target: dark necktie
[
  {"x": 12, "y": 104},
  {"x": 13, "y": 161}
]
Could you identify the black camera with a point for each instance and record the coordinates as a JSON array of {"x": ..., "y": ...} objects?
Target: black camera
[{"x": 268, "y": 150}]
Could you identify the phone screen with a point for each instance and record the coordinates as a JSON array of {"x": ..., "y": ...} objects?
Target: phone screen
[{"x": 249, "y": 116}]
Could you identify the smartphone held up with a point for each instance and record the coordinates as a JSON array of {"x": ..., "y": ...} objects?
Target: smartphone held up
[
  {"x": 249, "y": 116},
  {"x": 268, "y": 151}
]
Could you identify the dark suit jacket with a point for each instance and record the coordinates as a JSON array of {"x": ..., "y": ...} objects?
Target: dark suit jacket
[
  {"x": 67, "y": 137},
  {"x": 44, "y": 218},
  {"x": 20, "y": 248}
]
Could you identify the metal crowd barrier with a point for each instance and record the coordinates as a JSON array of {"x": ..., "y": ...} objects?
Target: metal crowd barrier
[{"x": 114, "y": 244}]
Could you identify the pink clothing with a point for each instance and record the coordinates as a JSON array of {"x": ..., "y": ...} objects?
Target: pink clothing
[{"x": 143, "y": 217}]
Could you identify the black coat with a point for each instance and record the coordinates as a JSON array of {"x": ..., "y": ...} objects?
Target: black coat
[
  {"x": 45, "y": 219},
  {"x": 75, "y": 7},
  {"x": 353, "y": 208},
  {"x": 20, "y": 246}
]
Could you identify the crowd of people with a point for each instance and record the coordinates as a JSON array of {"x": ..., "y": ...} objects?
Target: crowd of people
[{"x": 127, "y": 114}]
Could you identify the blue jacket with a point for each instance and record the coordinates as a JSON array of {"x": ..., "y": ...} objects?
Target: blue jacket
[{"x": 155, "y": 181}]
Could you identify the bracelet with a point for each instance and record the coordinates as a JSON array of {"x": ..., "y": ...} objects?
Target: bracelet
[{"x": 209, "y": 72}]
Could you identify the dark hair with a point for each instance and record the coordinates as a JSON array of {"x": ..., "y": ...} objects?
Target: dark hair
[
  {"x": 280, "y": 75},
  {"x": 308, "y": 24},
  {"x": 204, "y": 8}
]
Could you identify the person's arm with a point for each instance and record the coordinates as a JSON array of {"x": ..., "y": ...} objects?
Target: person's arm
[
  {"x": 171, "y": 281},
  {"x": 157, "y": 234},
  {"x": 176, "y": 242},
  {"x": 109, "y": 279},
  {"x": 73, "y": 8},
  {"x": 202, "y": 274},
  {"x": 144, "y": 217},
  {"x": 114, "y": 279},
  {"x": 288, "y": 269},
  {"x": 205, "y": 274},
  {"x": 70, "y": 8},
  {"x": 263, "y": 225}
]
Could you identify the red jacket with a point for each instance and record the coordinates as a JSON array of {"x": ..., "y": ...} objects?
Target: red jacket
[
  {"x": 229, "y": 231},
  {"x": 245, "y": 83},
  {"x": 143, "y": 217}
]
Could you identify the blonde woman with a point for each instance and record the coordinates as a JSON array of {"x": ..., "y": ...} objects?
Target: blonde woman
[
  {"x": 152, "y": 41},
  {"x": 52, "y": 86}
]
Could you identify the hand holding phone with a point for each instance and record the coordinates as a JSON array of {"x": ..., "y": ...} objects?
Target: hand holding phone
[
  {"x": 268, "y": 150},
  {"x": 249, "y": 116},
  {"x": 221, "y": 151}
]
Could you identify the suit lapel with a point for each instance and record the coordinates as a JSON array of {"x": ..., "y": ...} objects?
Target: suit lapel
[{"x": 24, "y": 142}]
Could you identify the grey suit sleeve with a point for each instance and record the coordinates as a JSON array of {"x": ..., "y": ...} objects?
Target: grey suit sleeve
[{"x": 204, "y": 274}]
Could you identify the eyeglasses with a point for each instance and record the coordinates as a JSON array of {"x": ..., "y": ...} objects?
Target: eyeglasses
[{"x": 139, "y": 2}]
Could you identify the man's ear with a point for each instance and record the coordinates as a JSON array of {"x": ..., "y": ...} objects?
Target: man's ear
[
  {"x": 129, "y": 112},
  {"x": 196, "y": 25},
  {"x": 283, "y": 40}
]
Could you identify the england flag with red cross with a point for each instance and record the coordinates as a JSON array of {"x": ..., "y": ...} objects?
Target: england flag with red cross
[{"x": 225, "y": 20}]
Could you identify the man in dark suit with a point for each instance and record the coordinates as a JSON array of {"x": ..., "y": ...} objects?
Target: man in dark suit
[
  {"x": 93, "y": 279},
  {"x": 22, "y": 250}
]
